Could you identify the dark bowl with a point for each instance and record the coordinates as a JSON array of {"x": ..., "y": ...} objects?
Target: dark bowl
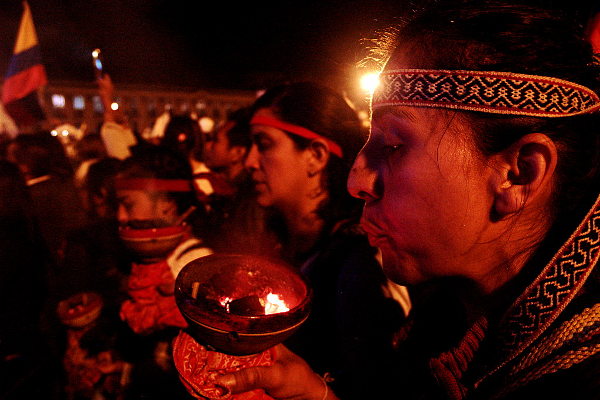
[
  {"x": 80, "y": 310},
  {"x": 241, "y": 304}
]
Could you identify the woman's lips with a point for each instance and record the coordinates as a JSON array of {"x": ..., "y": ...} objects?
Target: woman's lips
[{"x": 375, "y": 234}]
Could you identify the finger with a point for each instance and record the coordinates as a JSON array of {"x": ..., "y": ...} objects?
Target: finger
[{"x": 245, "y": 380}]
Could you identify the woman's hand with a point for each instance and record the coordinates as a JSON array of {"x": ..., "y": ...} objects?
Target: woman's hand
[{"x": 289, "y": 378}]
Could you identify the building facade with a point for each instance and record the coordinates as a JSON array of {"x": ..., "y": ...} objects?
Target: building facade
[{"x": 78, "y": 103}]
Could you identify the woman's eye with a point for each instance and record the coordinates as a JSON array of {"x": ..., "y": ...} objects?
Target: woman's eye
[
  {"x": 392, "y": 148},
  {"x": 263, "y": 144}
]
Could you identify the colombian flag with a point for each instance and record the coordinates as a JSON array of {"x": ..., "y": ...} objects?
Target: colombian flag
[{"x": 25, "y": 75}]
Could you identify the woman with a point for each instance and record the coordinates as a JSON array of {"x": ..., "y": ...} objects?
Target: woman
[
  {"x": 480, "y": 182},
  {"x": 305, "y": 138}
]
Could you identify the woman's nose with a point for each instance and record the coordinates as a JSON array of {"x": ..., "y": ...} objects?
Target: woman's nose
[
  {"x": 362, "y": 179},
  {"x": 251, "y": 162}
]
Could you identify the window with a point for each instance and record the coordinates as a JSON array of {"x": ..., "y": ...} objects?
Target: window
[
  {"x": 78, "y": 103},
  {"x": 98, "y": 107},
  {"x": 58, "y": 101}
]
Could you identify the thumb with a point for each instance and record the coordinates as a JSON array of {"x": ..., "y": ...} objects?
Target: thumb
[{"x": 245, "y": 380}]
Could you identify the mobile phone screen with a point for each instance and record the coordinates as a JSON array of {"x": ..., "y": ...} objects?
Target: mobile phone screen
[{"x": 97, "y": 61}]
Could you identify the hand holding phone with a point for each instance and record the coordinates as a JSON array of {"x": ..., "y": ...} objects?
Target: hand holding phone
[{"x": 97, "y": 63}]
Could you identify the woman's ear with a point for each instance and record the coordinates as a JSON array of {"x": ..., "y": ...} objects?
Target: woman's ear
[
  {"x": 318, "y": 152},
  {"x": 526, "y": 170}
]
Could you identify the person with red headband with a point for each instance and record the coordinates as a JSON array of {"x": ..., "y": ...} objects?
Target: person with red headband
[
  {"x": 156, "y": 207},
  {"x": 305, "y": 137},
  {"x": 480, "y": 182}
]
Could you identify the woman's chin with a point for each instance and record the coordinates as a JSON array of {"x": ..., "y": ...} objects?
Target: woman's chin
[
  {"x": 399, "y": 270},
  {"x": 264, "y": 200}
]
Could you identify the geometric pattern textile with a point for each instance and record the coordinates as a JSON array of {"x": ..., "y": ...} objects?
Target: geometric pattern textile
[
  {"x": 558, "y": 283},
  {"x": 484, "y": 91}
]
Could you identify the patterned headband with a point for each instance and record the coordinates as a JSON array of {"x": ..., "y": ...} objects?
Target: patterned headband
[{"x": 485, "y": 91}]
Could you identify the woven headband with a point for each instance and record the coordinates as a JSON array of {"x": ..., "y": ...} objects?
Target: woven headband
[
  {"x": 154, "y": 185},
  {"x": 334, "y": 148},
  {"x": 486, "y": 91}
]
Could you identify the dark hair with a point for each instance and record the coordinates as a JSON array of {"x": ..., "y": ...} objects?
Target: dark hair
[
  {"x": 239, "y": 134},
  {"x": 518, "y": 38},
  {"x": 42, "y": 154},
  {"x": 14, "y": 197},
  {"x": 323, "y": 111},
  {"x": 183, "y": 134},
  {"x": 99, "y": 181},
  {"x": 162, "y": 163}
]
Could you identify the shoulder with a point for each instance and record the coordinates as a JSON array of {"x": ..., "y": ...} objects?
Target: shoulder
[{"x": 185, "y": 252}]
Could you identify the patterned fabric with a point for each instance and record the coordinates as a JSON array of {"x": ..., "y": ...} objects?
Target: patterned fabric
[
  {"x": 198, "y": 368},
  {"x": 150, "y": 308},
  {"x": 555, "y": 287},
  {"x": 486, "y": 91},
  {"x": 566, "y": 346},
  {"x": 530, "y": 345}
]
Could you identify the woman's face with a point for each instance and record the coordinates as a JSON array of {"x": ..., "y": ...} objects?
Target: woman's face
[
  {"x": 428, "y": 197},
  {"x": 277, "y": 167}
]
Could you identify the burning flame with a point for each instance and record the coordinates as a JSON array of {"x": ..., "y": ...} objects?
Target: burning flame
[
  {"x": 225, "y": 302},
  {"x": 274, "y": 304}
]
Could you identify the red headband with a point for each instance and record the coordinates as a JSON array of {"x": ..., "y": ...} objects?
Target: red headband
[
  {"x": 154, "y": 185},
  {"x": 334, "y": 148}
]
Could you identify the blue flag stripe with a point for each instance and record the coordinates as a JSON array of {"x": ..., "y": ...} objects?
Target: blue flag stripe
[{"x": 24, "y": 60}]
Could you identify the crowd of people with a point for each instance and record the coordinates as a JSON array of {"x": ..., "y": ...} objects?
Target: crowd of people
[{"x": 451, "y": 251}]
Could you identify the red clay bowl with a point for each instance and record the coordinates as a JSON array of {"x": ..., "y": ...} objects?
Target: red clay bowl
[
  {"x": 241, "y": 304},
  {"x": 152, "y": 243}
]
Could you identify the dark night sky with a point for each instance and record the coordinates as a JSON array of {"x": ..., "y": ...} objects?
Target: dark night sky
[{"x": 214, "y": 44}]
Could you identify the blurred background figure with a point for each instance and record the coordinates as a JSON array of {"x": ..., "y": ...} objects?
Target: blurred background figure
[
  {"x": 87, "y": 150},
  {"x": 49, "y": 177},
  {"x": 235, "y": 220},
  {"x": 29, "y": 366}
]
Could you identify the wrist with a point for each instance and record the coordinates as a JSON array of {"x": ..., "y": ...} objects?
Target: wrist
[{"x": 326, "y": 392}]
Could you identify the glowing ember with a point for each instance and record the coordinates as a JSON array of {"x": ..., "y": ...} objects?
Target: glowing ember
[
  {"x": 225, "y": 302},
  {"x": 274, "y": 305}
]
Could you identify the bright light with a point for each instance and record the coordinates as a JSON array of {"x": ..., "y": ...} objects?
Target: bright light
[
  {"x": 54, "y": 132},
  {"x": 114, "y": 106},
  {"x": 65, "y": 132},
  {"x": 58, "y": 101},
  {"x": 274, "y": 304},
  {"x": 369, "y": 82},
  {"x": 96, "y": 53},
  {"x": 206, "y": 124}
]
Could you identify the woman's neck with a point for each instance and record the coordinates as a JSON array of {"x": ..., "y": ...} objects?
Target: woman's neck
[{"x": 304, "y": 225}]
